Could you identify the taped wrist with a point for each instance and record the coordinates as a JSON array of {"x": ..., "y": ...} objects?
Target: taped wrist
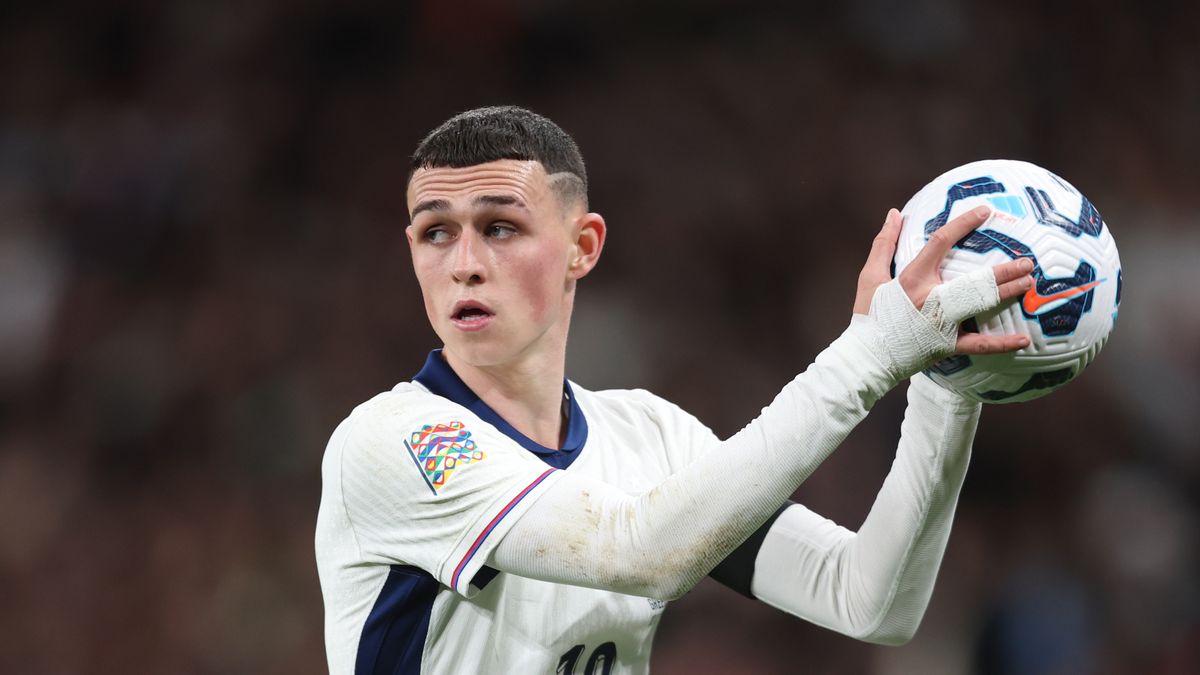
[
  {"x": 912, "y": 338},
  {"x": 908, "y": 339}
]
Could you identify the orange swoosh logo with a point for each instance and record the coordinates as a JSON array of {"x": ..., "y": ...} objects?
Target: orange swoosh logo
[{"x": 1033, "y": 301}]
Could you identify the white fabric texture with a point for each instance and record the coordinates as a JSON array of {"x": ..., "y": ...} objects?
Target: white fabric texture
[
  {"x": 875, "y": 584},
  {"x": 374, "y": 487},
  {"x": 661, "y": 542},
  {"x": 377, "y": 509},
  {"x": 635, "y": 440}
]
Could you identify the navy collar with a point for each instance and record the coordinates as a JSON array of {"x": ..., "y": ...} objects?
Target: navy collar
[{"x": 439, "y": 378}]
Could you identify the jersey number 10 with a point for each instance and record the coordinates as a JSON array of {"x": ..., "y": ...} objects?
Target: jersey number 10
[{"x": 599, "y": 663}]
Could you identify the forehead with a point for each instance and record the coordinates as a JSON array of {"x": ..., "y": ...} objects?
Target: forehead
[{"x": 526, "y": 180}]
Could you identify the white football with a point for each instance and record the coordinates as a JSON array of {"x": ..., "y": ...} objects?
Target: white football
[{"x": 1068, "y": 314}]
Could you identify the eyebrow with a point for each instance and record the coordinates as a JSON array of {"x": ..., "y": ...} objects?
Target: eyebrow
[
  {"x": 430, "y": 205},
  {"x": 481, "y": 200},
  {"x": 499, "y": 200}
]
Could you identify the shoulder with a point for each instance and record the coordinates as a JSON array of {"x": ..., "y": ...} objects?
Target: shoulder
[
  {"x": 630, "y": 404},
  {"x": 640, "y": 414},
  {"x": 391, "y": 415},
  {"x": 405, "y": 404}
]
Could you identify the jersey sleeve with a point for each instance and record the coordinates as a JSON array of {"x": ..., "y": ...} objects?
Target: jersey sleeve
[
  {"x": 875, "y": 583},
  {"x": 659, "y": 541},
  {"x": 427, "y": 483},
  {"x": 684, "y": 439}
]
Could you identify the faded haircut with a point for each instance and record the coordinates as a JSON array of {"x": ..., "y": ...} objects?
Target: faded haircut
[{"x": 506, "y": 132}]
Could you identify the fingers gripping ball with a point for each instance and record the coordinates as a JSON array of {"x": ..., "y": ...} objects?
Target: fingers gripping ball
[{"x": 1071, "y": 309}]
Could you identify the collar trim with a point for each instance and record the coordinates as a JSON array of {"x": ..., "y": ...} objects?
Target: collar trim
[{"x": 439, "y": 378}]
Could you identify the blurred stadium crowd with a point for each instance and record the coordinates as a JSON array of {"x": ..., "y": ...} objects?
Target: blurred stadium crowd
[{"x": 203, "y": 269}]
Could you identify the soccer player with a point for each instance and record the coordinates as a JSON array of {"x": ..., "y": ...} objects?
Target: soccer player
[{"x": 490, "y": 516}]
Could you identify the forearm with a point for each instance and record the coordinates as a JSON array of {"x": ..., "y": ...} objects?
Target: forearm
[
  {"x": 662, "y": 542},
  {"x": 875, "y": 584}
]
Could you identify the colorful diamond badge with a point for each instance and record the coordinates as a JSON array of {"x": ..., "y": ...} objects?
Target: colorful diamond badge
[{"x": 440, "y": 449}]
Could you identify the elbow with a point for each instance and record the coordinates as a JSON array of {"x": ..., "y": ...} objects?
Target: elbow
[
  {"x": 650, "y": 579},
  {"x": 880, "y": 617},
  {"x": 652, "y": 583},
  {"x": 665, "y": 592},
  {"x": 664, "y": 589},
  {"x": 891, "y": 638},
  {"x": 890, "y": 632},
  {"x": 672, "y": 591},
  {"x": 675, "y": 575}
]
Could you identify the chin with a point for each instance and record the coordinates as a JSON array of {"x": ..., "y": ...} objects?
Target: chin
[{"x": 479, "y": 352}]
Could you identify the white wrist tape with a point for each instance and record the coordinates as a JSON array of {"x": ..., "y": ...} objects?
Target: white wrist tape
[{"x": 914, "y": 338}]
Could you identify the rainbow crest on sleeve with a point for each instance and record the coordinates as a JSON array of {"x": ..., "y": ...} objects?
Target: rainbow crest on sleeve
[{"x": 440, "y": 449}]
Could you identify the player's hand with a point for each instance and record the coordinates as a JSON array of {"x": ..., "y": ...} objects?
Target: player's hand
[{"x": 923, "y": 274}]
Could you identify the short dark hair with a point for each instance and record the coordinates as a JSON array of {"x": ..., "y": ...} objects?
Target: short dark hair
[{"x": 506, "y": 132}]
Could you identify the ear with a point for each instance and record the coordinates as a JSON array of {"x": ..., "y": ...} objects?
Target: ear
[{"x": 590, "y": 231}]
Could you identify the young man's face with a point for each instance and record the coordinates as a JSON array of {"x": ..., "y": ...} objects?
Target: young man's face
[{"x": 497, "y": 254}]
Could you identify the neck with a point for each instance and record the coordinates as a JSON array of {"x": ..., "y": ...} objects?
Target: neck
[{"x": 528, "y": 393}]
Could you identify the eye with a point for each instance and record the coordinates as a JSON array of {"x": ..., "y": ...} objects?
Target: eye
[
  {"x": 500, "y": 230},
  {"x": 435, "y": 234}
]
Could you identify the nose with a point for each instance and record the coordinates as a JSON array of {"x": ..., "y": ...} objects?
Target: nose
[{"x": 468, "y": 263}]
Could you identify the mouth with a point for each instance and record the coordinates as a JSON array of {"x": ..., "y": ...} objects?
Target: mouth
[{"x": 471, "y": 315}]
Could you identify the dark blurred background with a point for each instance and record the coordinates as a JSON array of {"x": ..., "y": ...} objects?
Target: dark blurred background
[{"x": 203, "y": 269}]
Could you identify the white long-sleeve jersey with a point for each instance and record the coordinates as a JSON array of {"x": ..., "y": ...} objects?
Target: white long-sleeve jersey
[{"x": 427, "y": 492}]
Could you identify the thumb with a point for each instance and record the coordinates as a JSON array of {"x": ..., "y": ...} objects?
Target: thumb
[{"x": 883, "y": 248}]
